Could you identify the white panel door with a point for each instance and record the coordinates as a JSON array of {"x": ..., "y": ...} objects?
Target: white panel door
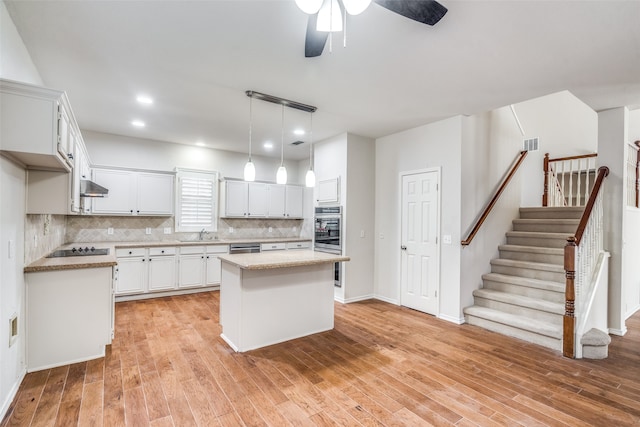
[{"x": 419, "y": 251}]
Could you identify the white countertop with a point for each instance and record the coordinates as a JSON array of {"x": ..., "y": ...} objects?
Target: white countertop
[{"x": 280, "y": 259}]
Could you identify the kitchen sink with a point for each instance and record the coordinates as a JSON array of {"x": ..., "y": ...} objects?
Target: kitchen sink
[{"x": 78, "y": 252}]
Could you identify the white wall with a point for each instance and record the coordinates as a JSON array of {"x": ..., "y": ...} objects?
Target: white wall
[
  {"x": 612, "y": 142},
  {"x": 15, "y": 64},
  {"x": 121, "y": 151},
  {"x": 359, "y": 218},
  {"x": 565, "y": 125},
  {"x": 631, "y": 242},
  {"x": 435, "y": 145}
]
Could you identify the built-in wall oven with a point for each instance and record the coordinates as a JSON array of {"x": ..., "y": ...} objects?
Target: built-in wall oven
[{"x": 328, "y": 235}]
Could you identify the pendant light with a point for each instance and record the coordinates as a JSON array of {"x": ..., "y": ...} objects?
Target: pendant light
[
  {"x": 309, "y": 7},
  {"x": 249, "y": 168},
  {"x": 310, "y": 178},
  {"x": 281, "y": 175}
]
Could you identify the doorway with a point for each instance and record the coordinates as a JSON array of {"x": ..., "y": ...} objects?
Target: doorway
[{"x": 420, "y": 252}]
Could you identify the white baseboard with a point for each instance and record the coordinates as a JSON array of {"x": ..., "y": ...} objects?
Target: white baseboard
[
  {"x": 456, "y": 320},
  {"x": 356, "y": 299},
  {"x": 618, "y": 332},
  {"x": 136, "y": 297},
  {"x": 12, "y": 395},
  {"x": 386, "y": 299}
]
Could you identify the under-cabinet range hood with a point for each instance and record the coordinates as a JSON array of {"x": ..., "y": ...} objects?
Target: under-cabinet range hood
[{"x": 91, "y": 189}]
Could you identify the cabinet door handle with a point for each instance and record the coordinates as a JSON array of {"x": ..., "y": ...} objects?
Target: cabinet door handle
[{"x": 403, "y": 247}]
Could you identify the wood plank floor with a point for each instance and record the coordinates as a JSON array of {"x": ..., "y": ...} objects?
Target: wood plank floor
[{"x": 381, "y": 365}]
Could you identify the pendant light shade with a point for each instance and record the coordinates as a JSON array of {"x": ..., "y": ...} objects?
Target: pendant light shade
[
  {"x": 309, "y": 7},
  {"x": 329, "y": 17},
  {"x": 281, "y": 174},
  {"x": 249, "y": 168},
  {"x": 310, "y": 178},
  {"x": 356, "y": 7}
]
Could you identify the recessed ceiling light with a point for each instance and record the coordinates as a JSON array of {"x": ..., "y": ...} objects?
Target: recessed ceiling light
[
  {"x": 143, "y": 99},
  {"x": 138, "y": 123},
  {"x": 299, "y": 132},
  {"x": 268, "y": 145},
  {"x": 200, "y": 144}
]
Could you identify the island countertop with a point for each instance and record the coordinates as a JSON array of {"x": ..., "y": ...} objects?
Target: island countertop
[{"x": 280, "y": 259}]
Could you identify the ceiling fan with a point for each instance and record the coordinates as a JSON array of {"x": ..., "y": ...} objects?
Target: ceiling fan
[{"x": 325, "y": 16}]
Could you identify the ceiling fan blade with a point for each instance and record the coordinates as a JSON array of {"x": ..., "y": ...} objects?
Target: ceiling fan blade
[
  {"x": 426, "y": 11},
  {"x": 315, "y": 40}
]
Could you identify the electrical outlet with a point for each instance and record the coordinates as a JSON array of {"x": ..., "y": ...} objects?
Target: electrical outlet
[
  {"x": 381, "y": 236},
  {"x": 446, "y": 239},
  {"x": 230, "y": 230},
  {"x": 361, "y": 234},
  {"x": 294, "y": 229},
  {"x": 270, "y": 229},
  {"x": 35, "y": 240},
  {"x": 110, "y": 231},
  {"x": 167, "y": 230},
  {"x": 148, "y": 230},
  {"x": 13, "y": 329},
  {"x": 11, "y": 249}
]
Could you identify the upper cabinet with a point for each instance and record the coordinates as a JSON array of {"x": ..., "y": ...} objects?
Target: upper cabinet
[
  {"x": 242, "y": 199},
  {"x": 38, "y": 126},
  {"x": 285, "y": 201},
  {"x": 134, "y": 192},
  {"x": 328, "y": 191}
]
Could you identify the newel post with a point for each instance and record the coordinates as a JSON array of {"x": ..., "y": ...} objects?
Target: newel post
[
  {"x": 545, "y": 195},
  {"x": 569, "y": 320}
]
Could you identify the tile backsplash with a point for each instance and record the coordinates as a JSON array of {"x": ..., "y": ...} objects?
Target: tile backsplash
[
  {"x": 96, "y": 229},
  {"x": 42, "y": 234}
]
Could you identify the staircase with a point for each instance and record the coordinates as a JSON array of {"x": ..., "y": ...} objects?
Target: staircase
[{"x": 523, "y": 296}]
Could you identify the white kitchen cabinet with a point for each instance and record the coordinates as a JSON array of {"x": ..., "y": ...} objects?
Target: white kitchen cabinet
[
  {"x": 162, "y": 269},
  {"x": 285, "y": 201},
  {"x": 328, "y": 191},
  {"x": 36, "y": 125},
  {"x": 280, "y": 246},
  {"x": 294, "y": 201},
  {"x": 131, "y": 272},
  {"x": 277, "y": 195},
  {"x": 299, "y": 245},
  {"x": 134, "y": 192},
  {"x": 69, "y": 316},
  {"x": 244, "y": 199},
  {"x": 200, "y": 265}
]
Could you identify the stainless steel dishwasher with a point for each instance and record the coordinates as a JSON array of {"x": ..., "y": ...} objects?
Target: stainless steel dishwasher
[{"x": 244, "y": 248}]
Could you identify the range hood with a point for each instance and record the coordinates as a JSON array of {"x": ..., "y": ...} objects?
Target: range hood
[{"x": 91, "y": 189}]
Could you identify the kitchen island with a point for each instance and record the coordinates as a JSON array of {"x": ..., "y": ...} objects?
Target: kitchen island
[{"x": 271, "y": 297}]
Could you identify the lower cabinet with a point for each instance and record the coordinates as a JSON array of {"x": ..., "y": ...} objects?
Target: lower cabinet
[
  {"x": 159, "y": 269},
  {"x": 200, "y": 265}
]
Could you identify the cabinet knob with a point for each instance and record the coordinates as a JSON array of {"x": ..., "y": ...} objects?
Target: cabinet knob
[
  {"x": 162, "y": 251},
  {"x": 142, "y": 259},
  {"x": 150, "y": 259},
  {"x": 130, "y": 252},
  {"x": 138, "y": 211},
  {"x": 207, "y": 256},
  {"x": 203, "y": 257},
  {"x": 131, "y": 211}
]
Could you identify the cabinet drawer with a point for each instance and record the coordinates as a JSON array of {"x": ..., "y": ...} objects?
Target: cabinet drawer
[
  {"x": 218, "y": 249},
  {"x": 170, "y": 250},
  {"x": 273, "y": 246},
  {"x": 129, "y": 252},
  {"x": 299, "y": 245},
  {"x": 191, "y": 250}
]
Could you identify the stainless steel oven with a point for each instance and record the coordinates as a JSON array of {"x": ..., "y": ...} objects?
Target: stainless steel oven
[{"x": 328, "y": 235}]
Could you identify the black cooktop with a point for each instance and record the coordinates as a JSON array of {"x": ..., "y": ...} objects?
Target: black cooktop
[{"x": 86, "y": 251}]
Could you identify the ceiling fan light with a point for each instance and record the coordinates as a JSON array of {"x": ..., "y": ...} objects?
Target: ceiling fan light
[
  {"x": 356, "y": 7},
  {"x": 310, "y": 178},
  {"x": 329, "y": 17},
  {"x": 281, "y": 175},
  {"x": 309, "y": 7},
  {"x": 249, "y": 171}
]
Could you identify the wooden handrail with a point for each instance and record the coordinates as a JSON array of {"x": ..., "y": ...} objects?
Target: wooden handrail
[
  {"x": 603, "y": 172},
  {"x": 494, "y": 199},
  {"x": 569, "y": 318},
  {"x": 582, "y": 156}
]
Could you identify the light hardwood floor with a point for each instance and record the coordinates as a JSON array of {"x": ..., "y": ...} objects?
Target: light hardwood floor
[{"x": 381, "y": 365}]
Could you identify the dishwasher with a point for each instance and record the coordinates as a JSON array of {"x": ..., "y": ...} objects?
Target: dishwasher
[{"x": 244, "y": 248}]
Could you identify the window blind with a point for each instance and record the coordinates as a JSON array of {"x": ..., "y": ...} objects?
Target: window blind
[{"x": 197, "y": 197}]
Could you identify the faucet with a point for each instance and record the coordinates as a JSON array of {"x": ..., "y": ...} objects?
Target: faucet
[{"x": 201, "y": 234}]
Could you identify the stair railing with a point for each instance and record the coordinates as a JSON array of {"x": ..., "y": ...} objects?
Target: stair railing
[
  {"x": 485, "y": 213},
  {"x": 580, "y": 259},
  {"x": 633, "y": 174},
  {"x": 567, "y": 180}
]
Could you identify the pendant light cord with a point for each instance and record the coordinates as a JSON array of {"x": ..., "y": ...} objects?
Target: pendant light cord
[
  {"x": 311, "y": 143},
  {"x": 282, "y": 140},
  {"x": 250, "y": 124}
]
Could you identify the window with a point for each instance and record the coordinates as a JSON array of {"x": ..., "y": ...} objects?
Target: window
[{"x": 196, "y": 201}]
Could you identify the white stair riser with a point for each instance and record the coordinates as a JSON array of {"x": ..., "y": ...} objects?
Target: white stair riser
[
  {"x": 525, "y": 291},
  {"x": 545, "y": 341},
  {"x": 545, "y": 228},
  {"x": 528, "y": 272},
  {"x": 532, "y": 257},
  {"x": 531, "y": 313},
  {"x": 536, "y": 241}
]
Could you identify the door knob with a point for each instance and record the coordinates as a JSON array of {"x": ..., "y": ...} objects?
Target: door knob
[{"x": 403, "y": 247}]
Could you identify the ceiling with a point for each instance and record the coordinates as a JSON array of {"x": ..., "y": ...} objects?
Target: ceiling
[{"x": 196, "y": 59}]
